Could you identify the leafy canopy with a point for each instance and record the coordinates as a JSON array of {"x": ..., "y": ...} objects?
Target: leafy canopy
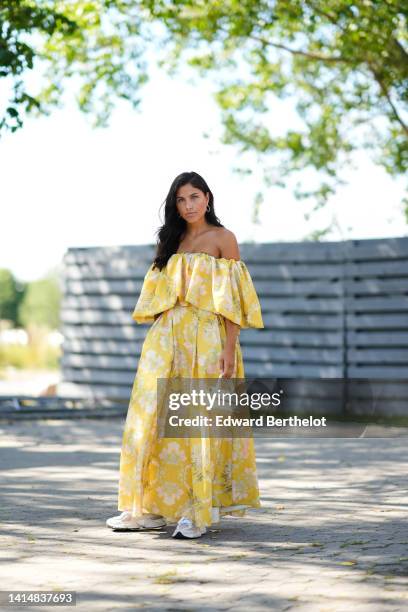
[{"x": 340, "y": 66}]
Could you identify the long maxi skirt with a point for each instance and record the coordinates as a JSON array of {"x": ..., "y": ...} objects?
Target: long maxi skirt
[{"x": 177, "y": 477}]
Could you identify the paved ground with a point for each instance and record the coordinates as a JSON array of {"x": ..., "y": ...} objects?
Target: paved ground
[{"x": 332, "y": 533}]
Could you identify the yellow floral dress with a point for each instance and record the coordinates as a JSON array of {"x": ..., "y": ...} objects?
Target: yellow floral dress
[{"x": 177, "y": 477}]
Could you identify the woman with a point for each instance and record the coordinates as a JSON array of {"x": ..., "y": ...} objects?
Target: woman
[{"x": 198, "y": 294}]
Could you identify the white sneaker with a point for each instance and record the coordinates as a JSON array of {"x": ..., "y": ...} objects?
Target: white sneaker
[
  {"x": 218, "y": 513},
  {"x": 226, "y": 509},
  {"x": 186, "y": 529},
  {"x": 125, "y": 522},
  {"x": 215, "y": 515}
]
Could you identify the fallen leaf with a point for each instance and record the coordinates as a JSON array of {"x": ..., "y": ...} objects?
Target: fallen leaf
[{"x": 166, "y": 578}]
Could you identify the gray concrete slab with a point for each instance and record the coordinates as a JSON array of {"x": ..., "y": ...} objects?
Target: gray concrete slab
[{"x": 331, "y": 534}]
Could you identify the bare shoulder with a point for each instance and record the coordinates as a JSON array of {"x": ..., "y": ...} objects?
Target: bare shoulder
[{"x": 228, "y": 244}]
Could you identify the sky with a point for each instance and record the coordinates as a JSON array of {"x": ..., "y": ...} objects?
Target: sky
[{"x": 66, "y": 184}]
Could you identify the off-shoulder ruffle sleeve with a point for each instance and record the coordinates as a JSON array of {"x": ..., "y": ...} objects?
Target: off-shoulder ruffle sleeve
[{"x": 223, "y": 286}]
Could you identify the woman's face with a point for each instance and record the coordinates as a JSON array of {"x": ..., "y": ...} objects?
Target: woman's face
[{"x": 191, "y": 202}]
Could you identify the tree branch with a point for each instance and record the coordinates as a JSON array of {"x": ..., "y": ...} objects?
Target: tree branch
[
  {"x": 387, "y": 96},
  {"x": 308, "y": 54}
]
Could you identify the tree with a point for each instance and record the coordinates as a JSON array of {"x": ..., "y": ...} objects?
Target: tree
[
  {"x": 343, "y": 64},
  {"x": 41, "y": 304},
  {"x": 11, "y": 293},
  {"x": 96, "y": 44}
]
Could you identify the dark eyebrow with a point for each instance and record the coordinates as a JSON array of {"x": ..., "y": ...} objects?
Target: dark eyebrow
[{"x": 194, "y": 193}]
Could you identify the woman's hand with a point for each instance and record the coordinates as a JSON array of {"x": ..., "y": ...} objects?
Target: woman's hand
[{"x": 227, "y": 361}]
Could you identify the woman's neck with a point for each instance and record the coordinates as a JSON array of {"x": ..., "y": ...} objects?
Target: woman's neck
[{"x": 193, "y": 230}]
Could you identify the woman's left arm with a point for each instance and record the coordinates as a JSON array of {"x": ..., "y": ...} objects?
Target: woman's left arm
[
  {"x": 227, "y": 357},
  {"x": 229, "y": 250}
]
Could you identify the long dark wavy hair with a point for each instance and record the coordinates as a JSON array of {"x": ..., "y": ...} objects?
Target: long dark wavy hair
[{"x": 169, "y": 234}]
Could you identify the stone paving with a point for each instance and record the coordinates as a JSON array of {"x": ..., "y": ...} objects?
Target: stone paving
[{"x": 331, "y": 535}]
